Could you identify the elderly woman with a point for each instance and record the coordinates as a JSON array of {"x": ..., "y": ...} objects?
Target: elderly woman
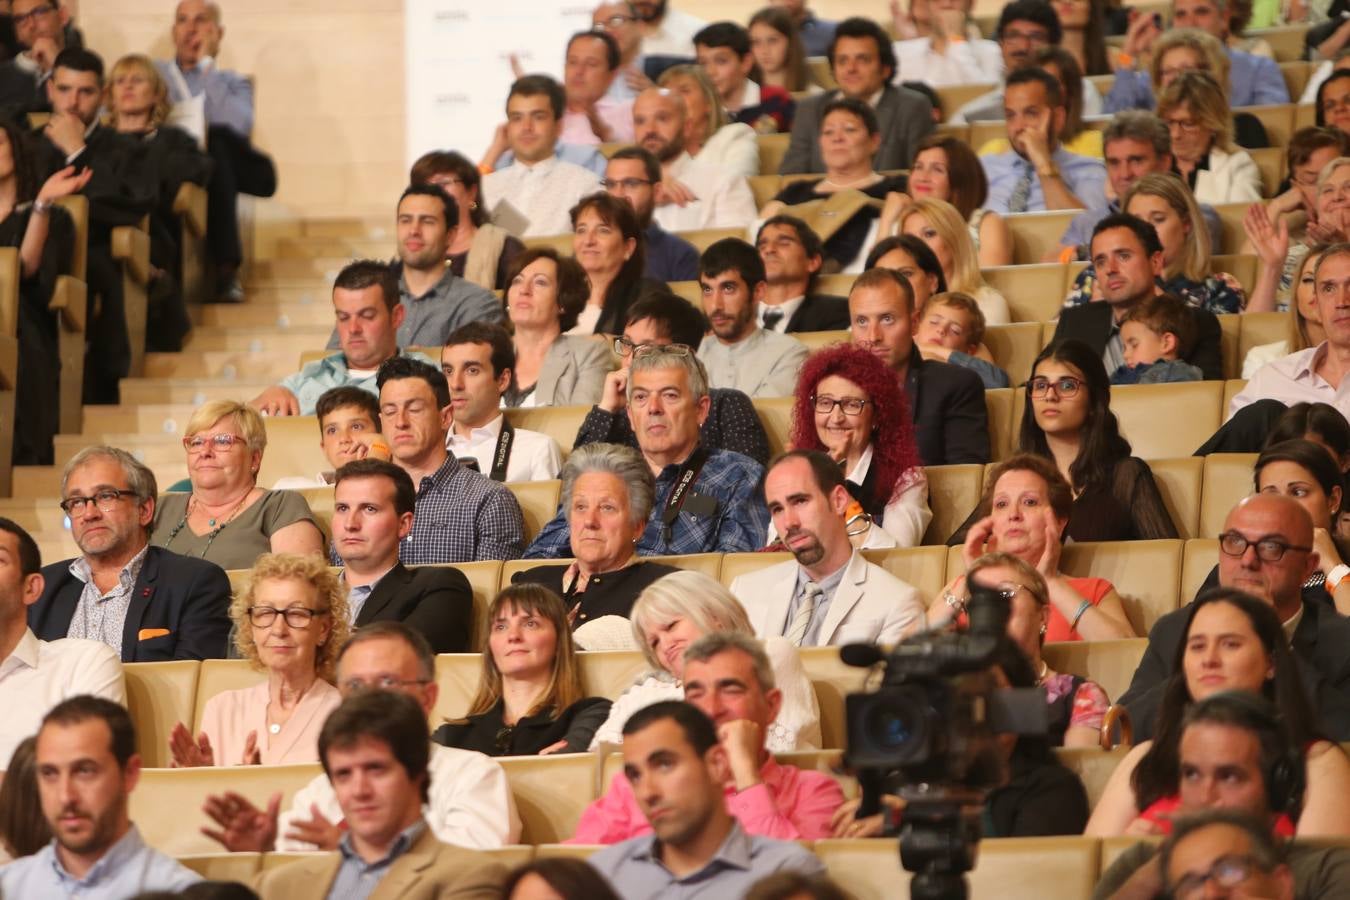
[
  {"x": 709, "y": 134},
  {"x": 1196, "y": 113},
  {"x": 479, "y": 251},
  {"x": 940, "y": 226},
  {"x": 611, "y": 247},
  {"x": 290, "y": 621},
  {"x": 553, "y": 368},
  {"x": 849, "y": 138},
  {"x": 607, "y": 492},
  {"x": 674, "y": 612},
  {"x": 227, "y": 518},
  {"x": 530, "y": 700},
  {"x": 849, "y": 404}
]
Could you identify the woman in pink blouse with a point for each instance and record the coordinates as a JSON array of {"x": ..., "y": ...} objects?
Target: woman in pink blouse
[{"x": 290, "y": 621}]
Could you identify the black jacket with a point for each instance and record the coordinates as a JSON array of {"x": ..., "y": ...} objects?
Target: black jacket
[
  {"x": 946, "y": 402},
  {"x": 904, "y": 119},
  {"x": 820, "y": 312},
  {"x": 1091, "y": 324},
  {"x": 608, "y": 594},
  {"x": 179, "y": 608},
  {"x": 487, "y": 733},
  {"x": 435, "y": 601}
]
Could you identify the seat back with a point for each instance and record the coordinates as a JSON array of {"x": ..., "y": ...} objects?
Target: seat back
[
  {"x": 765, "y": 188},
  {"x": 219, "y": 675},
  {"x": 1227, "y": 479},
  {"x": 292, "y": 449},
  {"x": 816, "y": 340},
  {"x": 775, "y": 414},
  {"x": 9, "y": 362},
  {"x": 159, "y": 696},
  {"x": 772, "y": 149},
  {"x": 1179, "y": 482},
  {"x": 1109, "y": 663},
  {"x": 1168, "y": 420},
  {"x": 1229, "y": 326},
  {"x": 1198, "y": 560},
  {"x": 239, "y": 867},
  {"x": 923, "y": 568},
  {"x": 1093, "y": 766},
  {"x": 608, "y": 673},
  {"x": 953, "y": 491},
  {"x": 551, "y": 792},
  {"x": 1035, "y": 234},
  {"x": 833, "y": 681},
  {"x": 321, "y": 504},
  {"x": 538, "y": 503},
  {"x": 1146, "y": 574},
  {"x": 1035, "y": 290},
  {"x": 1270, "y": 162},
  {"x": 484, "y": 577},
  {"x": 558, "y": 422},
  {"x": 1278, "y": 120},
  {"x": 1014, "y": 347},
  {"x": 1000, "y": 405},
  {"x": 1259, "y": 328}
]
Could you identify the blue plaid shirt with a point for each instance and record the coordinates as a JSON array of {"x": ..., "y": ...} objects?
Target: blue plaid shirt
[
  {"x": 462, "y": 516},
  {"x": 740, "y": 523}
]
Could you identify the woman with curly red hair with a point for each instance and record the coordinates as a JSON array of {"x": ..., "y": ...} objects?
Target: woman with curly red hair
[{"x": 850, "y": 405}]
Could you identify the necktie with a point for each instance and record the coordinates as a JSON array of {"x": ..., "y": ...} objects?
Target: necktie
[
  {"x": 1021, "y": 192},
  {"x": 802, "y": 620},
  {"x": 771, "y": 319}
]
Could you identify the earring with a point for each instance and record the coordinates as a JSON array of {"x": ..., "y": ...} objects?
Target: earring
[{"x": 1042, "y": 629}]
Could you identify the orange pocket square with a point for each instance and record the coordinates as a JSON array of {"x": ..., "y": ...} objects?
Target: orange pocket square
[{"x": 149, "y": 633}]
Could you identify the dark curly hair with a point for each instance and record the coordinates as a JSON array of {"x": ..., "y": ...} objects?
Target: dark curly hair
[{"x": 894, "y": 451}]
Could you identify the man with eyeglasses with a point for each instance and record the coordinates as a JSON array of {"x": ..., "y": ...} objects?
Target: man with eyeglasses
[
  {"x": 661, "y": 319},
  {"x": 1223, "y": 854},
  {"x": 620, "y": 21},
  {"x": 469, "y": 803},
  {"x": 792, "y": 255},
  {"x": 40, "y": 27},
  {"x": 148, "y": 603},
  {"x": 634, "y": 174},
  {"x": 1266, "y": 550},
  {"x": 667, "y": 31}
]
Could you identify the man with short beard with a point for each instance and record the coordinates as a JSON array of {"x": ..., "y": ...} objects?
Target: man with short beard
[
  {"x": 828, "y": 594},
  {"x": 665, "y": 31},
  {"x": 634, "y": 174}
]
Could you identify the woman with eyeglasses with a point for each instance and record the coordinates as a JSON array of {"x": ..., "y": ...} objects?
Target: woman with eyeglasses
[
  {"x": 530, "y": 700},
  {"x": 226, "y": 518},
  {"x": 553, "y": 368},
  {"x": 850, "y": 405},
  {"x": 1195, "y": 109},
  {"x": 290, "y": 621},
  {"x": 479, "y": 251}
]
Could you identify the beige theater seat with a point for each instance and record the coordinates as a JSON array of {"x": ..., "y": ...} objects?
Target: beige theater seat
[
  {"x": 709, "y": 564},
  {"x": 765, "y": 188},
  {"x": 551, "y": 792},
  {"x": 955, "y": 96},
  {"x": 1035, "y": 290},
  {"x": 953, "y": 492},
  {"x": 69, "y": 302},
  {"x": 9, "y": 361},
  {"x": 1228, "y": 478},
  {"x": 562, "y": 243},
  {"x": 1270, "y": 160},
  {"x": 775, "y": 414},
  {"x": 224, "y": 866},
  {"x": 1257, "y": 329},
  {"x": 1146, "y": 574},
  {"x": 1001, "y": 405},
  {"x": 321, "y": 503},
  {"x": 704, "y": 238},
  {"x": 772, "y": 149},
  {"x": 1198, "y": 560},
  {"x": 1277, "y": 119},
  {"x": 1035, "y": 234},
  {"x": 1113, "y": 847},
  {"x": 558, "y": 422},
  {"x": 1230, "y": 221},
  {"x": 1093, "y": 766},
  {"x": 484, "y": 576},
  {"x": 1168, "y": 420},
  {"x": 220, "y": 675},
  {"x": 538, "y": 503},
  {"x": 159, "y": 696},
  {"x": 457, "y": 675},
  {"x": 1231, "y": 388},
  {"x": 1229, "y": 328},
  {"x": 816, "y": 340},
  {"x": 1109, "y": 663},
  {"x": 1014, "y": 347},
  {"x": 1179, "y": 482},
  {"x": 833, "y": 681},
  {"x": 292, "y": 449}
]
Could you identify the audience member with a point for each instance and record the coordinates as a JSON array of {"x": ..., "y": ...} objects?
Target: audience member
[
  {"x": 611, "y": 246},
  {"x": 817, "y": 34},
  {"x": 40, "y": 28},
  {"x": 373, "y": 510},
  {"x": 779, "y": 46},
  {"x": 459, "y": 515},
  {"x": 676, "y": 611},
  {"x": 705, "y": 496},
  {"x": 479, "y": 251},
  {"x": 951, "y": 329},
  {"x": 710, "y": 136},
  {"x": 375, "y": 751},
  {"x": 729, "y": 679},
  {"x": 1153, "y": 336},
  {"x": 914, "y": 260},
  {"x": 1075, "y": 135},
  {"x": 1308, "y": 473},
  {"x": 634, "y": 174},
  {"x": 557, "y": 878},
  {"x": 676, "y": 769},
  {"x": 35, "y": 674},
  {"x": 1203, "y": 154},
  {"x": 946, "y": 56},
  {"x": 552, "y": 364},
  {"x": 590, "y": 66},
  {"x": 739, "y": 354},
  {"x": 607, "y": 498},
  {"x": 87, "y": 768},
  {"x": 863, "y": 64},
  {"x": 145, "y": 602},
  {"x": 530, "y": 699},
  {"x": 793, "y": 255},
  {"x": 23, "y": 829},
  {"x": 660, "y": 320},
  {"x": 479, "y": 363},
  {"x": 946, "y": 401},
  {"x": 796, "y": 886},
  {"x": 349, "y": 429},
  {"x": 1332, "y": 110},
  {"x": 828, "y": 594},
  {"x": 723, "y": 50},
  {"x": 290, "y": 620},
  {"x": 666, "y": 31},
  {"x": 620, "y": 21},
  {"x": 1084, "y": 35},
  {"x": 939, "y": 225}
]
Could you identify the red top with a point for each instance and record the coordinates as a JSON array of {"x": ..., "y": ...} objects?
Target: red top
[{"x": 1160, "y": 813}]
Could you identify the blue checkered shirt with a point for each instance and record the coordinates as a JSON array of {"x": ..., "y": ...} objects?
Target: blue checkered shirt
[
  {"x": 462, "y": 516},
  {"x": 740, "y": 523}
]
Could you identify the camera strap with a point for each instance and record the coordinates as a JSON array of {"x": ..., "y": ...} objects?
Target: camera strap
[
  {"x": 501, "y": 454},
  {"x": 679, "y": 493}
]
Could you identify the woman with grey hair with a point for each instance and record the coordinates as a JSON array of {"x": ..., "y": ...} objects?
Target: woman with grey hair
[
  {"x": 672, "y": 614},
  {"x": 607, "y": 492}
]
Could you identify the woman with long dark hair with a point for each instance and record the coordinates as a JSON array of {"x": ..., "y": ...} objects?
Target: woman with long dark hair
[{"x": 612, "y": 248}]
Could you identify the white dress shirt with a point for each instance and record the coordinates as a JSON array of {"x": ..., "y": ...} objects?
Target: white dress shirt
[
  {"x": 40, "y": 674},
  {"x": 765, "y": 364},
  {"x": 471, "y": 803},
  {"x": 534, "y": 456},
  {"x": 788, "y": 308},
  {"x": 964, "y": 62},
  {"x": 674, "y": 36},
  {"x": 733, "y": 148},
  {"x": 907, "y": 515},
  {"x": 1294, "y": 379},
  {"x": 543, "y": 192},
  {"x": 724, "y": 199}
]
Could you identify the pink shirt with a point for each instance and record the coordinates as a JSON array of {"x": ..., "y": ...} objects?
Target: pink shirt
[
  {"x": 1294, "y": 379},
  {"x": 617, "y": 114},
  {"x": 230, "y": 716},
  {"x": 788, "y": 804}
]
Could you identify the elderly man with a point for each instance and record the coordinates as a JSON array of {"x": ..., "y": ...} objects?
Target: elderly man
[
  {"x": 147, "y": 603},
  {"x": 1266, "y": 550},
  {"x": 634, "y": 174},
  {"x": 705, "y": 500},
  {"x": 728, "y": 677}
]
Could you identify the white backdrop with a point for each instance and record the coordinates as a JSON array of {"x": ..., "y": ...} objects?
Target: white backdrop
[{"x": 458, "y": 68}]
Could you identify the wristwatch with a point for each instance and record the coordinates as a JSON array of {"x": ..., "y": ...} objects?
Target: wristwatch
[
  {"x": 42, "y": 207},
  {"x": 1336, "y": 576}
]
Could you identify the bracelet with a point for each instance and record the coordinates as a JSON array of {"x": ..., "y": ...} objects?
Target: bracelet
[
  {"x": 1082, "y": 608},
  {"x": 957, "y": 605},
  {"x": 42, "y": 207},
  {"x": 1048, "y": 172},
  {"x": 1336, "y": 576}
]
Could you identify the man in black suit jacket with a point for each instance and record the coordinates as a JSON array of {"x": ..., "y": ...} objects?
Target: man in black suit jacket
[
  {"x": 793, "y": 253},
  {"x": 1128, "y": 258},
  {"x": 951, "y": 421},
  {"x": 863, "y": 64},
  {"x": 1319, "y": 641},
  {"x": 148, "y": 603},
  {"x": 373, "y": 511}
]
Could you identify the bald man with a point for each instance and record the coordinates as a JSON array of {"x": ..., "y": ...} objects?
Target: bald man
[
  {"x": 693, "y": 194},
  {"x": 1266, "y": 550}
]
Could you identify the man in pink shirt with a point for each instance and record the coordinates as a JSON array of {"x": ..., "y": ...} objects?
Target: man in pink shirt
[{"x": 729, "y": 678}]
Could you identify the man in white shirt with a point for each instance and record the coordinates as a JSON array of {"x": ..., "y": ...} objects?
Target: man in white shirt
[
  {"x": 479, "y": 362},
  {"x": 534, "y": 194},
  {"x": 948, "y": 57},
  {"x": 36, "y": 675},
  {"x": 739, "y": 354},
  {"x": 470, "y": 802},
  {"x": 697, "y": 195},
  {"x": 828, "y": 594},
  {"x": 666, "y": 31}
]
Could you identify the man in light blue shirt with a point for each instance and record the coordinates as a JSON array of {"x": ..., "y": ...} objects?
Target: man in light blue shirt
[
  {"x": 1037, "y": 173},
  {"x": 87, "y": 766}
]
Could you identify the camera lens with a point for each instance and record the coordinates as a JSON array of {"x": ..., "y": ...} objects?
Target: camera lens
[{"x": 892, "y": 727}]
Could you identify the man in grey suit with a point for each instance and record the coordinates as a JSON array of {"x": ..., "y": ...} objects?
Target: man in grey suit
[{"x": 862, "y": 62}]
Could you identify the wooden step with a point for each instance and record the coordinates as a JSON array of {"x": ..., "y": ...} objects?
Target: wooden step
[
  {"x": 379, "y": 244},
  {"x": 267, "y": 313},
  {"x": 260, "y": 339},
  {"x": 193, "y": 391},
  {"x": 222, "y": 365}
]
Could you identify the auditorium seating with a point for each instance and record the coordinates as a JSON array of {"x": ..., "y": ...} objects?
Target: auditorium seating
[
  {"x": 1228, "y": 478},
  {"x": 1109, "y": 663},
  {"x": 159, "y": 696},
  {"x": 9, "y": 359},
  {"x": 550, "y": 792}
]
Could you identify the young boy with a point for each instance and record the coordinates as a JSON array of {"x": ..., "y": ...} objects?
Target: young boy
[
  {"x": 723, "y": 50},
  {"x": 950, "y": 328},
  {"x": 349, "y": 428},
  {"x": 1154, "y": 335}
]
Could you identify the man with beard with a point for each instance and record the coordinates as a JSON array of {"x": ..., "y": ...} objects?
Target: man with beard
[
  {"x": 87, "y": 767},
  {"x": 739, "y": 354},
  {"x": 634, "y": 174},
  {"x": 665, "y": 31},
  {"x": 694, "y": 194},
  {"x": 828, "y": 594}
]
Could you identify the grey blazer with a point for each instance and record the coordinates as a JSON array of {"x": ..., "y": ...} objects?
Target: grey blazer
[
  {"x": 905, "y": 118},
  {"x": 574, "y": 372}
]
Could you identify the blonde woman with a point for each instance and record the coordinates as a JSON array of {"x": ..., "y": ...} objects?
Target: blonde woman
[
  {"x": 674, "y": 612},
  {"x": 1195, "y": 109},
  {"x": 1134, "y": 88},
  {"x": 290, "y": 621},
  {"x": 709, "y": 134},
  {"x": 940, "y": 226},
  {"x": 1305, "y": 322}
]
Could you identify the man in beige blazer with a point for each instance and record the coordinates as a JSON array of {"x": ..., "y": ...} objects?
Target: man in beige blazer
[{"x": 375, "y": 749}]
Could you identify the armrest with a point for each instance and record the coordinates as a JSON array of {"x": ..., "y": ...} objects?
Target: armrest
[
  {"x": 1117, "y": 715},
  {"x": 9, "y": 363},
  {"x": 132, "y": 246},
  {"x": 190, "y": 204},
  {"x": 68, "y": 301}
]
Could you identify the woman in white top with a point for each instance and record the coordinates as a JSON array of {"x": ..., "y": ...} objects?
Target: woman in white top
[
  {"x": 1195, "y": 110},
  {"x": 777, "y": 46},
  {"x": 674, "y": 612},
  {"x": 1305, "y": 325},
  {"x": 941, "y": 227},
  {"x": 709, "y": 135}
]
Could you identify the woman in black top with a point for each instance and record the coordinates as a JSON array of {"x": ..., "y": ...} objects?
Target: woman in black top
[
  {"x": 529, "y": 696},
  {"x": 611, "y": 246}
]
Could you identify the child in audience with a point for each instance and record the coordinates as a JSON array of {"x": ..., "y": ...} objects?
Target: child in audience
[
  {"x": 950, "y": 328},
  {"x": 349, "y": 428},
  {"x": 1154, "y": 336}
]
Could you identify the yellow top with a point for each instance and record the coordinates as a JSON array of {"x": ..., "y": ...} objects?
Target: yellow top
[{"x": 1088, "y": 143}]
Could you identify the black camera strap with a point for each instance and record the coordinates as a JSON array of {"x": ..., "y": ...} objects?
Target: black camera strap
[
  {"x": 679, "y": 493},
  {"x": 501, "y": 454}
]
